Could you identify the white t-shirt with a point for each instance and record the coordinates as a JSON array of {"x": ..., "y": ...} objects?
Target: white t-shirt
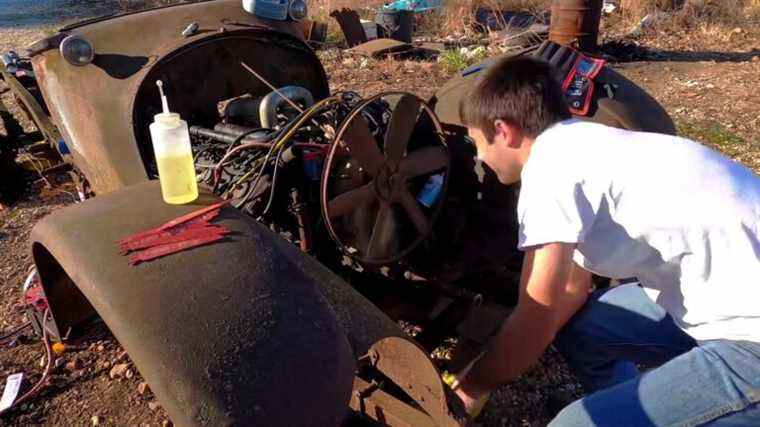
[{"x": 680, "y": 217}]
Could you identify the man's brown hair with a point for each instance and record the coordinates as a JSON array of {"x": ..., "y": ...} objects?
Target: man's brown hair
[{"x": 520, "y": 91}]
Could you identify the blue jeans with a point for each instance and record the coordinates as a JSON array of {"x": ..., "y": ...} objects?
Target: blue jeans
[{"x": 715, "y": 384}]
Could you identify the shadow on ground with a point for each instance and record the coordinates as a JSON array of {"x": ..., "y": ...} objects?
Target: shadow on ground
[{"x": 628, "y": 51}]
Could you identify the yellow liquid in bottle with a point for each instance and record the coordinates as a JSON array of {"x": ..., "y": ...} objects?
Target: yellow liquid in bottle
[{"x": 178, "y": 181}]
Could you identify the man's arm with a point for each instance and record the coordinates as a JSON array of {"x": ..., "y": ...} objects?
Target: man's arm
[{"x": 552, "y": 289}]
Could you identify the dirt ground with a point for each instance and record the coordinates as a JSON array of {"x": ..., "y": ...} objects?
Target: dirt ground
[{"x": 707, "y": 83}]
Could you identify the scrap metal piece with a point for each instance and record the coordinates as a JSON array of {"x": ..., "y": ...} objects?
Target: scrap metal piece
[
  {"x": 190, "y": 30},
  {"x": 351, "y": 26},
  {"x": 37, "y": 113},
  {"x": 379, "y": 47},
  {"x": 408, "y": 365},
  {"x": 13, "y": 128},
  {"x": 314, "y": 32}
]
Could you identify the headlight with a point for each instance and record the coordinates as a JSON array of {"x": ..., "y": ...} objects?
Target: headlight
[
  {"x": 298, "y": 10},
  {"x": 77, "y": 50}
]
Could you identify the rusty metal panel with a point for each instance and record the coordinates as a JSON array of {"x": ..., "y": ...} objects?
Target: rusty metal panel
[
  {"x": 351, "y": 26},
  {"x": 371, "y": 402},
  {"x": 37, "y": 113},
  {"x": 93, "y": 106},
  {"x": 379, "y": 47},
  {"x": 314, "y": 31},
  {"x": 408, "y": 365},
  {"x": 236, "y": 332}
]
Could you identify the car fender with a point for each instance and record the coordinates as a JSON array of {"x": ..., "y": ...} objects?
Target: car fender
[{"x": 236, "y": 332}]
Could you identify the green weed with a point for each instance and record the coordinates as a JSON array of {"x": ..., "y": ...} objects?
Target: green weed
[
  {"x": 453, "y": 61},
  {"x": 714, "y": 135}
]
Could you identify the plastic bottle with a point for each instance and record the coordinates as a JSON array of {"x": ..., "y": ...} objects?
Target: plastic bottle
[
  {"x": 431, "y": 191},
  {"x": 174, "y": 157}
]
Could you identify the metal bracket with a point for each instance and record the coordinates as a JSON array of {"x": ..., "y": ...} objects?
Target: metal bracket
[
  {"x": 370, "y": 401},
  {"x": 38, "y": 115},
  {"x": 407, "y": 364}
]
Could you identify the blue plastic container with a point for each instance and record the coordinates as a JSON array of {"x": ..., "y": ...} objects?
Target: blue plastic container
[
  {"x": 430, "y": 193},
  {"x": 414, "y": 5},
  {"x": 268, "y": 9}
]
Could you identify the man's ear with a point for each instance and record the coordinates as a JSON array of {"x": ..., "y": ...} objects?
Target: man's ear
[{"x": 507, "y": 132}]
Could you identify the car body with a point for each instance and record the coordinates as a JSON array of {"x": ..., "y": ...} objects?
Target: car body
[{"x": 252, "y": 330}]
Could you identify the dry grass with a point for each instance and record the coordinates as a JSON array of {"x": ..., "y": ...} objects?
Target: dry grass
[
  {"x": 694, "y": 12},
  {"x": 696, "y": 24},
  {"x": 458, "y": 16},
  {"x": 320, "y": 9}
]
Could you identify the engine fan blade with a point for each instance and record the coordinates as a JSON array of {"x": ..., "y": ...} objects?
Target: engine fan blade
[
  {"x": 412, "y": 208},
  {"x": 424, "y": 161},
  {"x": 348, "y": 202},
  {"x": 381, "y": 244},
  {"x": 362, "y": 146},
  {"x": 402, "y": 124}
]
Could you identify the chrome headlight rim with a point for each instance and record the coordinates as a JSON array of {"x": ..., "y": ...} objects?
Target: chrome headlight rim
[
  {"x": 298, "y": 10},
  {"x": 71, "y": 50}
]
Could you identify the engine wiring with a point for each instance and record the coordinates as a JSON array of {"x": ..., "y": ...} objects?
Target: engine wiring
[
  {"x": 274, "y": 183},
  {"x": 234, "y": 148},
  {"x": 14, "y": 332},
  {"x": 45, "y": 373},
  {"x": 293, "y": 127},
  {"x": 251, "y": 168},
  {"x": 278, "y": 146}
]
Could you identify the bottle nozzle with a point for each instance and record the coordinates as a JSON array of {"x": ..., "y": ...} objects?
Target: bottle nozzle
[{"x": 164, "y": 102}]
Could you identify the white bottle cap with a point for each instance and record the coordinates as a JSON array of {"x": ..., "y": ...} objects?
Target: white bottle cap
[
  {"x": 169, "y": 120},
  {"x": 166, "y": 118}
]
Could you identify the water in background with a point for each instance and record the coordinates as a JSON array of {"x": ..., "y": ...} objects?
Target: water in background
[{"x": 16, "y": 13}]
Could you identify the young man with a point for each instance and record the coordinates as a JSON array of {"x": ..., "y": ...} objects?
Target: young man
[{"x": 682, "y": 219}]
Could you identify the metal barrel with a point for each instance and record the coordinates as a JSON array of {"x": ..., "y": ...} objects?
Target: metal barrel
[{"x": 576, "y": 21}]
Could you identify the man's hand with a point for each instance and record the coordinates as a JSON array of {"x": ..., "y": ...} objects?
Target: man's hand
[{"x": 552, "y": 289}]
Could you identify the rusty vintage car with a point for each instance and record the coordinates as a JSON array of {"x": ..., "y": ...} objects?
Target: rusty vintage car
[{"x": 348, "y": 214}]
